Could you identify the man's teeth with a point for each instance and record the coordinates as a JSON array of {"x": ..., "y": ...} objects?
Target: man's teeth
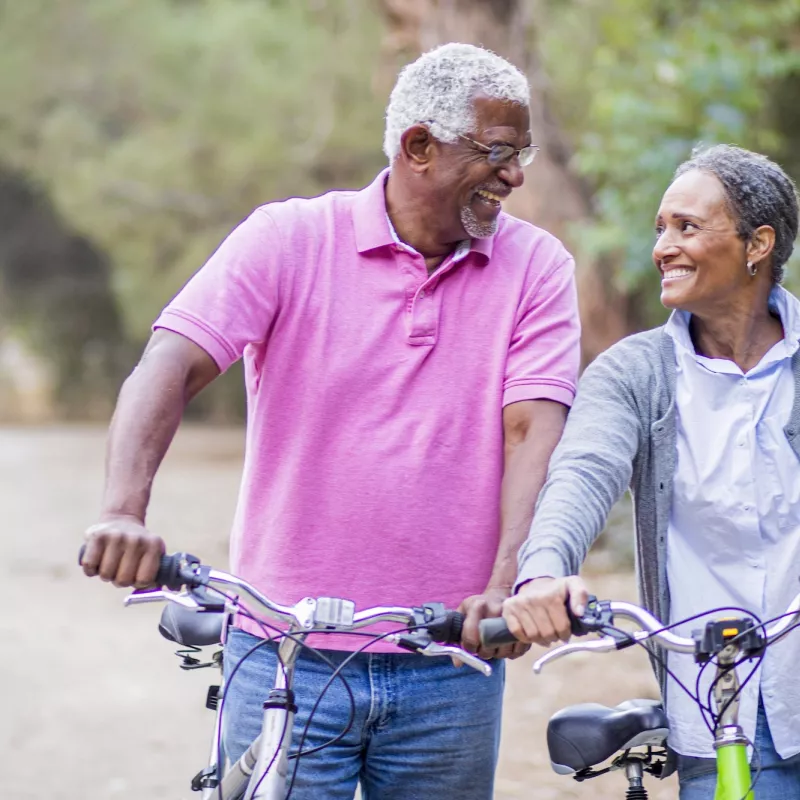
[
  {"x": 676, "y": 273},
  {"x": 493, "y": 197}
]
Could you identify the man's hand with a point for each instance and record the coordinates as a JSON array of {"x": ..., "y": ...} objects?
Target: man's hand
[
  {"x": 538, "y": 612},
  {"x": 121, "y": 550},
  {"x": 482, "y": 606}
]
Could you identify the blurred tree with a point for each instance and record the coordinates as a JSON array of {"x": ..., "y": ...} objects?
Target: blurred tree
[
  {"x": 554, "y": 196},
  {"x": 156, "y": 125},
  {"x": 56, "y": 288},
  {"x": 648, "y": 80},
  {"x": 153, "y": 126},
  {"x": 622, "y": 90}
]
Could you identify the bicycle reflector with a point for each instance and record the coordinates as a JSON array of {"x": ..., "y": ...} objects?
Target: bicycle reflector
[{"x": 743, "y": 633}]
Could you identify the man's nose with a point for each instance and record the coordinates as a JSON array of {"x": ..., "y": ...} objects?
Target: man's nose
[{"x": 512, "y": 174}]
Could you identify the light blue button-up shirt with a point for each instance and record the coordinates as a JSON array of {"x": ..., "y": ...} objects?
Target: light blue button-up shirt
[{"x": 734, "y": 530}]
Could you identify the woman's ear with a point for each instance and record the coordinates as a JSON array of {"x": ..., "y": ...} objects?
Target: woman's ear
[{"x": 761, "y": 244}]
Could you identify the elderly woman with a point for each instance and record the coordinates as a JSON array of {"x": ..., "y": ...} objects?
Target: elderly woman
[{"x": 701, "y": 419}]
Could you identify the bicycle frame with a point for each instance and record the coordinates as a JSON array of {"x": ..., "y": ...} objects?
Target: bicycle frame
[
  {"x": 267, "y": 778},
  {"x": 261, "y": 772},
  {"x": 733, "y": 772}
]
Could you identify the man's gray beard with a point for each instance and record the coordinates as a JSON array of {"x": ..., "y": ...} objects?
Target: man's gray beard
[{"x": 474, "y": 228}]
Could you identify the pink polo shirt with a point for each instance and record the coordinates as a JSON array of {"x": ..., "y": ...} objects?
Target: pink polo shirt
[{"x": 375, "y": 393}]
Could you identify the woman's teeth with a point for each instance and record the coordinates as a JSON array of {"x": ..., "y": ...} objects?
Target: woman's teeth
[{"x": 676, "y": 273}]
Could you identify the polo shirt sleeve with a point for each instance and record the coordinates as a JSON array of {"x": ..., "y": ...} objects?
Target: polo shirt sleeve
[
  {"x": 544, "y": 353},
  {"x": 231, "y": 301}
]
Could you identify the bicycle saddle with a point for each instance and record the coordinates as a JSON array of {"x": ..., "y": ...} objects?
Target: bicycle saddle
[
  {"x": 581, "y": 736},
  {"x": 193, "y": 628}
]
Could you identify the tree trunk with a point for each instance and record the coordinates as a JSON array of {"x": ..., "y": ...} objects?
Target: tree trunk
[
  {"x": 56, "y": 299},
  {"x": 553, "y": 197}
]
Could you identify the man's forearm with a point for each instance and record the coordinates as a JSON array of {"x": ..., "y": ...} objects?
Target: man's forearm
[
  {"x": 524, "y": 474},
  {"x": 523, "y": 478},
  {"x": 148, "y": 412}
]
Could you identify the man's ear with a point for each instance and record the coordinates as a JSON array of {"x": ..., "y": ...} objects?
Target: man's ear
[
  {"x": 761, "y": 244},
  {"x": 418, "y": 148}
]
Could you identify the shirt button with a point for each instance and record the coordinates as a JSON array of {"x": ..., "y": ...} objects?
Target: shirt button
[{"x": 422, "y": 294}]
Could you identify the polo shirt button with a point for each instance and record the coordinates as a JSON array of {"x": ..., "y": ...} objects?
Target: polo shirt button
[{"x": 422, "y": 295}]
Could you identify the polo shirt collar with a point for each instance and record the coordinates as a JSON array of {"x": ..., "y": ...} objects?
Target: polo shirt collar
[{"x": 372, "y": 226}]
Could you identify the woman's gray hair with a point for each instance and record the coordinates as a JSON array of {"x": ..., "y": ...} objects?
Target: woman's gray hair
[
  {"x": 758, "y": 192},
  {"x": 439, "y": 88}
]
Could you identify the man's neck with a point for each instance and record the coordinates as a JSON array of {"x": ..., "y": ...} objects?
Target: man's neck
[{"x": 414, "y": 223}]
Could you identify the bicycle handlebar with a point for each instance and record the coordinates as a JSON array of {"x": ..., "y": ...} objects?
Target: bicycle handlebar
[
  {"x": 496, "y": 631},
  {"x": 444, "y": 626}
]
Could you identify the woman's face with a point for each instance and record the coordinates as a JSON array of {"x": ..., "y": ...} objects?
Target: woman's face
[{"x": 701, "y": 257}]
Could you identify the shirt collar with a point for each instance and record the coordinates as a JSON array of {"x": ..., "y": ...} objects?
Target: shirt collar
[
  {"x": 783, "y": 303},
  {"x": 373, "y": 228},
  {"x": 787, "y": 307}
]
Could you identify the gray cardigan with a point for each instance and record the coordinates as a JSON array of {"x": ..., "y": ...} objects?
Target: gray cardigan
[{"x": 619, "y": 434}]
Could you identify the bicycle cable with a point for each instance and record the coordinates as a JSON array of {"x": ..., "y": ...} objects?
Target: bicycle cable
[
  {"x": 757, "y": 762},
  {"x": 336, "y": 673},
  {"x": 660, "y": 659},
  {"x": 300, "y": 752},
  {"x": 270, "y": 639}
]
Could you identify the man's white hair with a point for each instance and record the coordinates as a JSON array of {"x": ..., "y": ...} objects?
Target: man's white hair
[{"x": 439, "y": 88}]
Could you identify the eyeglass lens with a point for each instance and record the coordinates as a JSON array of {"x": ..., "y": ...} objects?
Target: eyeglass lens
[{"x": 501, "y": 153}]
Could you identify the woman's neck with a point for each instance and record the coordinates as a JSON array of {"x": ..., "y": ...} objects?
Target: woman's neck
[{"x": 741, "y": 335}]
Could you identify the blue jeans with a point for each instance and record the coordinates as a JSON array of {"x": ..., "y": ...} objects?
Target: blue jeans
[
  {"x": 422, "y": 727},
  {"x": 779, "y": 778}
]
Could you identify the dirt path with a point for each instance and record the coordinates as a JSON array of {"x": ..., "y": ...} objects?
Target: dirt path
[{"x": 95, "y": 706}]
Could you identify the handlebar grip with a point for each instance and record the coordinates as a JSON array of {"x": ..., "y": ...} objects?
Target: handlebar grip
[
  {"x": 455, "y": 625},
  {"x": 168, "y": 574},
  {"x": 494, "y": 632}
]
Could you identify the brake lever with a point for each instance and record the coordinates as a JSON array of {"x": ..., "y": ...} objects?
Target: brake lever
[
  {"x": 602, "y": 645},
  {"x": 435, "y": 649},
  {"x": 139, "y": 596}
]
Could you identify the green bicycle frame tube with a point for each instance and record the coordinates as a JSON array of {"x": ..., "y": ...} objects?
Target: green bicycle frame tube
[{"x": 733, "y": 773}]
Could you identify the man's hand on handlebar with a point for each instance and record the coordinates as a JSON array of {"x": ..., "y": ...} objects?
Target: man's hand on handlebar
[
  {"x": 121, "y": 550},
  {"x": 538, "y": 612},
  {"x": 484, "y": 606}
]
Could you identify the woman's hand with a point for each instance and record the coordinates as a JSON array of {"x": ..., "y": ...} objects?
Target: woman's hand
[{"x": 538, "y": 612}]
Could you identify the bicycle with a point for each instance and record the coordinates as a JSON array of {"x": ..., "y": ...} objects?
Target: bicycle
[
  {"x": 581, "y": 737},
  {"x": 203, "y": 601}
]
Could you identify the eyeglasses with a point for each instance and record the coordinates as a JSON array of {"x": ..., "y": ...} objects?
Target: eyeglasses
[{"x": 498, "y": 154}]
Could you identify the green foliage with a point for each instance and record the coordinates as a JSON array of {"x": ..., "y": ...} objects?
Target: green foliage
[
  {"x": 156, "y": 125},
  {"x": 153, "y": 126},
  {"x": 646, "y": 81}
]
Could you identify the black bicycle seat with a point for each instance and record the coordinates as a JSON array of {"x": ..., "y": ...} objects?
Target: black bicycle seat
[
  {"x": 584, "y": 735},
  {"x": 193, "y": 628}
]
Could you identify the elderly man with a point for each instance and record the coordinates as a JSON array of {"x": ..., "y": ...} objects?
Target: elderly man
[{"x": 410, "y": 355}]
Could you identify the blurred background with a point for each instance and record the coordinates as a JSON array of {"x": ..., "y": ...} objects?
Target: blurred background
[{"x": 134, "y": 134}]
